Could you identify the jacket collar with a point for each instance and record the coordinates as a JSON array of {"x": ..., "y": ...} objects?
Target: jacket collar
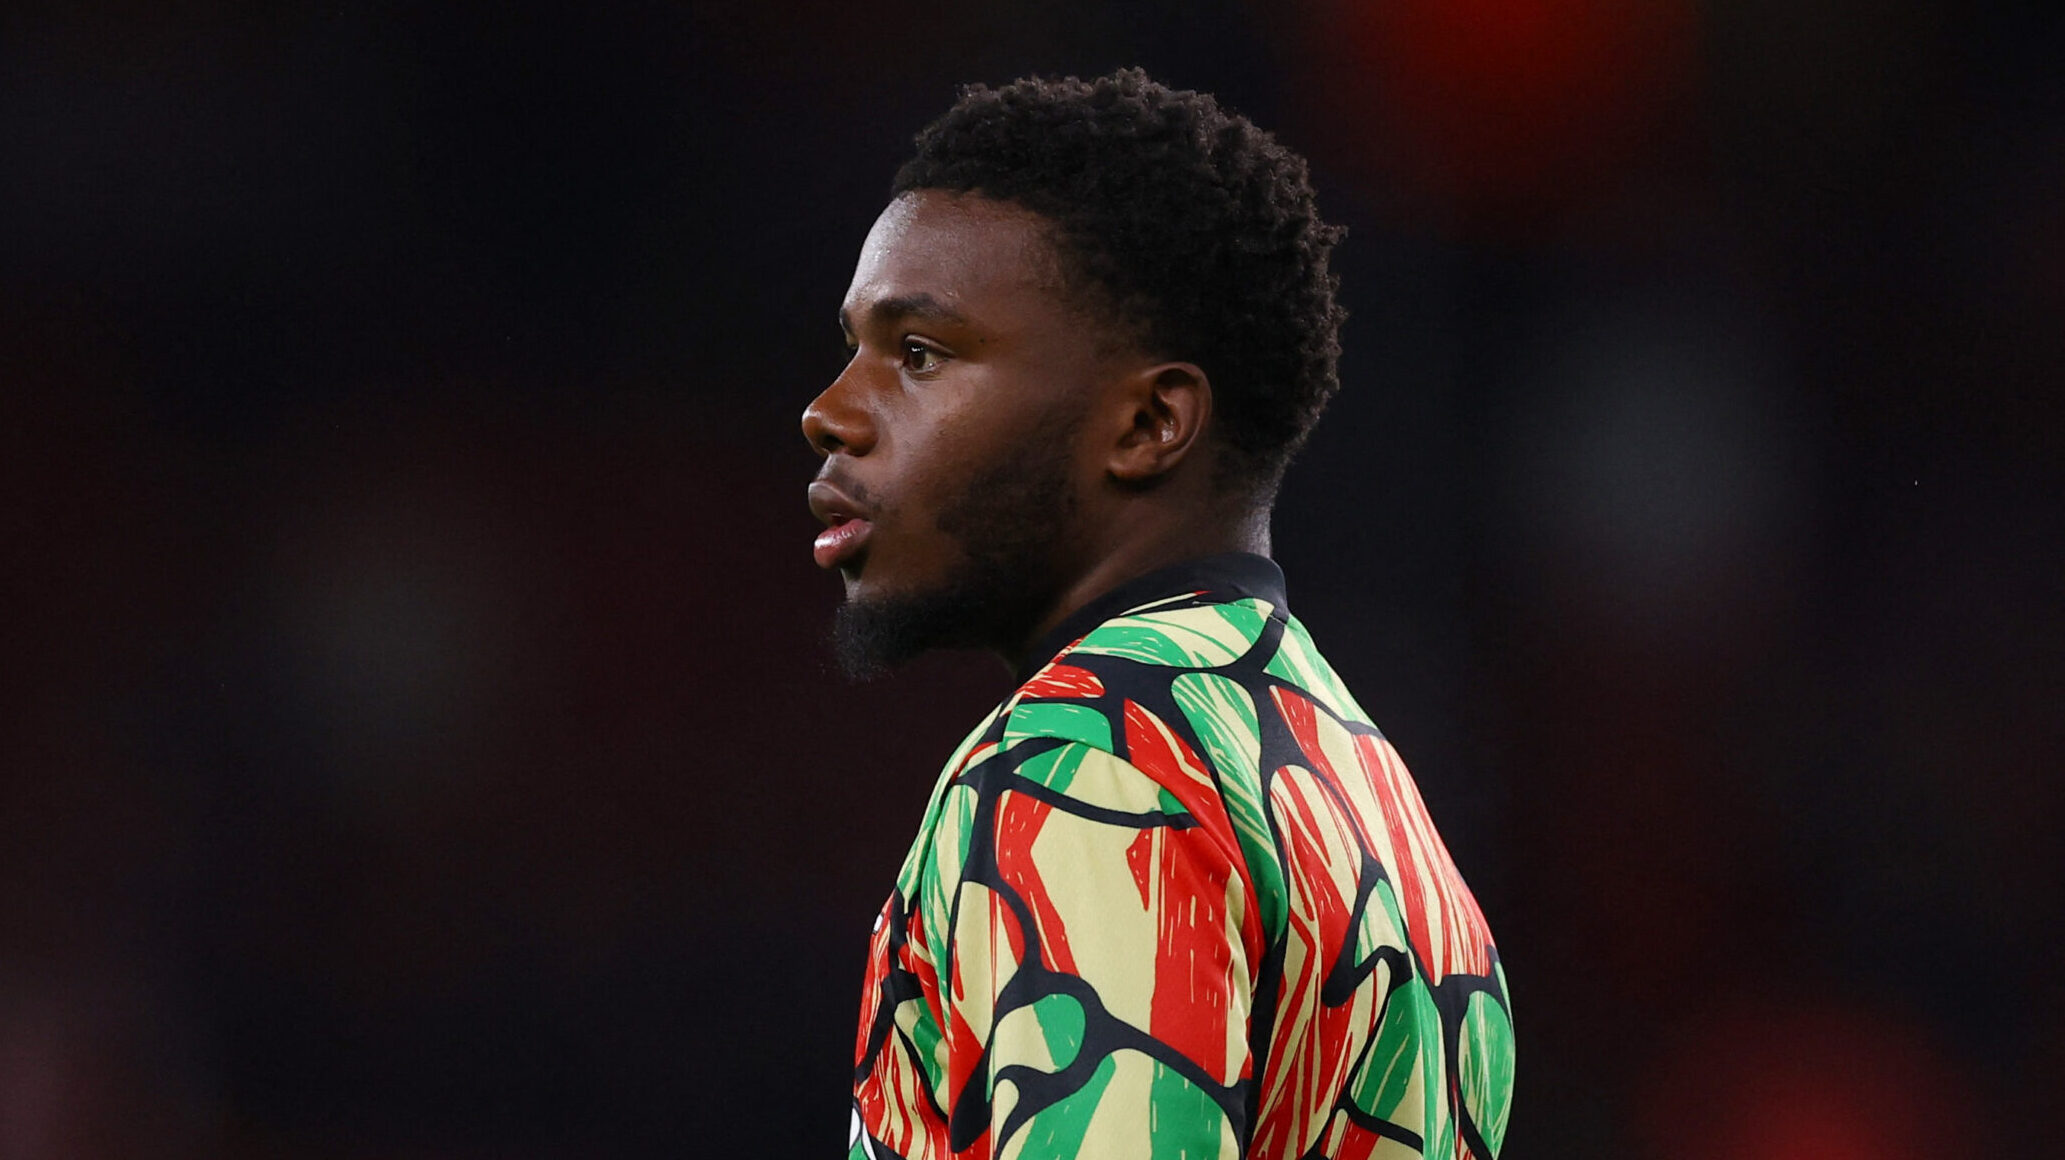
[{"x": 1217, "y": 579}]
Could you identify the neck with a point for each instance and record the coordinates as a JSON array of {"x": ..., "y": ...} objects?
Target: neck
[{"x": 1138, "y": 548}]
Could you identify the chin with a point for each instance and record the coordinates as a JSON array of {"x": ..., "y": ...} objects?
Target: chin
[
  {"x": 876, "y": 631},
  {"x": 865, "y": 585}
]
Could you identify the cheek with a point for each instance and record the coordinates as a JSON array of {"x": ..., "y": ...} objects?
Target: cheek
[
  {"x": 942, "y": 444},
  {"x": 908, "y": 499}
]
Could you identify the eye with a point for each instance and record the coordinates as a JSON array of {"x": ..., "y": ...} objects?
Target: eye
[{"x": 921, "y": 359}]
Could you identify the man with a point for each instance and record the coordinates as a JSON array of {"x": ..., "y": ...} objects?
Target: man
[{"x": 1175, "y": 896}]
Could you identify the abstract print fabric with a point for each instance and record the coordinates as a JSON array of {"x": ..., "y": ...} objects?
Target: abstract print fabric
[{"x": 1177, "y": 897}]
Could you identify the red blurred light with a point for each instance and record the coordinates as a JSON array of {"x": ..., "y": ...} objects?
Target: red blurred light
[
  {"x": 1803, "y": 1083},
  {"x": 1502, "y": 106}
]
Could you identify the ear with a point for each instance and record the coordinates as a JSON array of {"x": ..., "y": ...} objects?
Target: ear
[{"x": 1162, "y": 412}]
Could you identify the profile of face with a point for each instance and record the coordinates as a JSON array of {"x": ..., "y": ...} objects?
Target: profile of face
[{"x": 955, "y": 468}]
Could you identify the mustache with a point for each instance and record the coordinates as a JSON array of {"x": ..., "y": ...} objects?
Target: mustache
[{"x": 853, "y": 488}]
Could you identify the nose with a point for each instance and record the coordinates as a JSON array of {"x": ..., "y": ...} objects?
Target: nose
[{"x": 838, "y": 419}]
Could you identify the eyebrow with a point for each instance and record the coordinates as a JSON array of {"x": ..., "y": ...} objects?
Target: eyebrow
[{"x": 923, "y": 307}]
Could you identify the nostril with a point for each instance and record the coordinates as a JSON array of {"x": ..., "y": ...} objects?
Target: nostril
[{"x": 833, "y": 424}]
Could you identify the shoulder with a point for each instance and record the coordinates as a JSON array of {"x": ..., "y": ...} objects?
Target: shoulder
[
  {"x": 1206, "y": 671},
  {"x": 1136, "y": 713}
]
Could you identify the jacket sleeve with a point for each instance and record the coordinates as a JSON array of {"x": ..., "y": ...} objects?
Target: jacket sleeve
[{"x": 1095, "y": 980}]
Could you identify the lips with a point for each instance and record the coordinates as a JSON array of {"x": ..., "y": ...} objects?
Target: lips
[
  {"x": 841, "y": 542},
  {"x": 847, "y": 527}
]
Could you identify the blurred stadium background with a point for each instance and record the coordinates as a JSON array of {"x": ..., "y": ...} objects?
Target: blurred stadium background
[{"x": 422, "y": 743}]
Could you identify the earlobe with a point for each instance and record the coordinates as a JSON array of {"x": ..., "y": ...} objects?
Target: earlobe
[{"x": 1165, "y": 409}]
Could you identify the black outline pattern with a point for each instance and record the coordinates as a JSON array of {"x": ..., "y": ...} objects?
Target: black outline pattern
[{"x": 1150, "y": 686}]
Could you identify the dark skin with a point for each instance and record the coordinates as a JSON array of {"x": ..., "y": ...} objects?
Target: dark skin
[{"x": 964, "y": 337}]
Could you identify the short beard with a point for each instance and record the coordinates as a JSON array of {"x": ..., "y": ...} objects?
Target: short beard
[{"x": 1008, "y": 522}]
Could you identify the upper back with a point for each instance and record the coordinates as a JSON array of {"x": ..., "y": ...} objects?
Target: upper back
[{"x": 1380, "y": 1007}]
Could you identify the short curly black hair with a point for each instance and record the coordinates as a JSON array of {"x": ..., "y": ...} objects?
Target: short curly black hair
[{"x": 1197, "y": 227}]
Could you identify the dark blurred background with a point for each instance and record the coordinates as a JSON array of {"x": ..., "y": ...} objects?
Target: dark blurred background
[{"x": 420, "y": 741}]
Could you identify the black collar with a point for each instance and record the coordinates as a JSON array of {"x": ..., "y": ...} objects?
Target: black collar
[{"x": 1220, "y": 579}]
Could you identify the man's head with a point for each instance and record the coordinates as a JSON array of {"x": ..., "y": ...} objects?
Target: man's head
[{"x": 1092, "y": 327}]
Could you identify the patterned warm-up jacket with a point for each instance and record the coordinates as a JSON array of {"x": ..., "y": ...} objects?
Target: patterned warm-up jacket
[{"x": 1177, "y": 897}]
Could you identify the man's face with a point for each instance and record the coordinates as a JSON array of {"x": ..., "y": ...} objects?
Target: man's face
[{"x": 954, "y": 458}]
